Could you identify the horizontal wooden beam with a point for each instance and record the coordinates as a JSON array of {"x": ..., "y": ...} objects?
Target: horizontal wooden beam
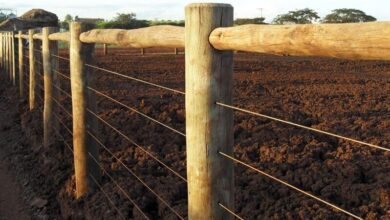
[
  {"x": 37, "y": 36},
  {"x": 365, "y": 41},
  {"x": 23, "y": 36},
  {"x": 63, "y": 36},
  {"x": 156, "y": 36}
]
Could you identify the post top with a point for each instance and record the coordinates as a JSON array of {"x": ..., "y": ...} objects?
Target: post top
[{"x": 209, "y": 5}]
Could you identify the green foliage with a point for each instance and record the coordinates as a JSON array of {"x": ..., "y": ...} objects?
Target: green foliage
[
  {"x": 347, "y": 15},
  {"x": 302, "y": 16},
  {"x": 3, "y": 17},
  {"x": 123, "y": 21},
  {"x": 65, "y": 23},
  {"x": 241, "y": 21},
  {"x": 167, "y": 22}
]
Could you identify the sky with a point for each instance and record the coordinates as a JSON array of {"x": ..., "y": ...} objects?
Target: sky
[{"x": 174, "y": 9}]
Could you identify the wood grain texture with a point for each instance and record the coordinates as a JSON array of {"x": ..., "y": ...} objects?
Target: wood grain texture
[
  {"x": 32, "y": 76},
  {"x": 63, "y": 36},
  {"x": 209, "y": 128},
  {"x": 37, "y": 36},
  {"x": 25, "y": 36},
  {"x": 359, "y": 41},
  {"x": 158, "y": 36},
  {"x": 13, "y": 58},
  {"x": 21, "y": 65},
  {"x": 1, "y": 51},
  {"x": 49, "y": 80},
  {"x": 80, "y": 54}
]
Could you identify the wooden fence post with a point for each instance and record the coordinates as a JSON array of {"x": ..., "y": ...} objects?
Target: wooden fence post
[
  {"x": 176, "y": 51},
  {"x": 209, "y": 128},
  {"x": 7, "y": 53},
  {"x": 80, "y": 54},
  {"x": 50, "y": 79},
  {"x": 21, "y": 66},
  {"x": 10, "y": 56},
  {"x": 105, "y": 49},
  {"x": 32, "y": 76},
  {"x": 1, "y": 51},
  {"x": 142, "y": 51},
  {"x": 13, "y": 59}
]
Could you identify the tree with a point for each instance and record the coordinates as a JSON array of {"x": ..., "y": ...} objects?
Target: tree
[
  {"x": 302, "y": 16},
  {"x": 347, "y": 15},
  {"x": 68, "y": 18},
  {"x": 167, "y": 22},
  {"x": 124, "y": 21},
  {"x": 3, "y": 17},
  {"x": 241, "y": 21},
  {"x": 65, "y": 23}
]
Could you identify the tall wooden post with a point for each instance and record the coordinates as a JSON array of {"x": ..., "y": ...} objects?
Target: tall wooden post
[
  {"x": 80, "y": 54},
  {"x": 50, "y": 79},
  {"x": 13, "y": 59},
  {"x": 7, "y": 55},
  {"x": 105, "y": 49},
  {"x": 32, "y": 85},
  {"x": 209, "y": 128},
  {"x": 21, "y": 66},
  {"x": 142, "y": 51},
  {"x": 1, "y": 51},
  {"x": 10, "y": 56}
]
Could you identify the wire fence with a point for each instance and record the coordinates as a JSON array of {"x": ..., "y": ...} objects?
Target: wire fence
[{"x": 64, "y": 113}]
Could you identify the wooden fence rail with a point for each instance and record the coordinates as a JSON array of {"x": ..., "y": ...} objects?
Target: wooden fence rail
[
  {"x": 368, "y": 41},
  {"x": 209, "y": 39}
]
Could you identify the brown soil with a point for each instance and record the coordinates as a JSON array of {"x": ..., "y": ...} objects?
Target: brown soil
[{"x": 345, "y": 97}]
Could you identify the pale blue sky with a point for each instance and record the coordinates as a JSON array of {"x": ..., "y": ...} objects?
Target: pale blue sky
[{"x": 174, "y": 9}]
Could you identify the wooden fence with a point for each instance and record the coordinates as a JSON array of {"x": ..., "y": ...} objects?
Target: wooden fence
[{"x": 209, "y": 40}]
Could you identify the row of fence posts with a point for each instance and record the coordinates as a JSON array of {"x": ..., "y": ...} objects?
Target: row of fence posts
[{"x": 209, "y": 128}]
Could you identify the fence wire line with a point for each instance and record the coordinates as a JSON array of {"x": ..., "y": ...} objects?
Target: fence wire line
[
  {"x": 136, "y": 111},
  {"x": 135, "y": 175},
  {"x": 302, "y": 126},
  {"x": 230, "y": 211},
  {"x": 107, "y": 197},
  {"x": 39, "y": 62},
  {"x": 62, "y": 107},
  {"x": 135, "y": 79},
  {"x": 289, "y": 185},
  {"x": 117, "y": 185},
  {"x": 63, "y": 139},
  {"x": 61, "y": 90},
  {"x": 59, "y": 133},
  {"x": 61, "y": 74},
  {"x": 60, "y": 57},
  {"x": 36, "y": 50},
  {"x": 63, "y": 124},
  {"x": 137, "y": 145}
]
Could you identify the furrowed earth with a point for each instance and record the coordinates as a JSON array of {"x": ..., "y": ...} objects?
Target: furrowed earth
[{"x": 349, "y": 98}]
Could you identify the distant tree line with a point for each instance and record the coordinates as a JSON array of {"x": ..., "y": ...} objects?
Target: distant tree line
[
  {"x": 301, "y": 16},
  {"x": 309, "y": 16}
]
